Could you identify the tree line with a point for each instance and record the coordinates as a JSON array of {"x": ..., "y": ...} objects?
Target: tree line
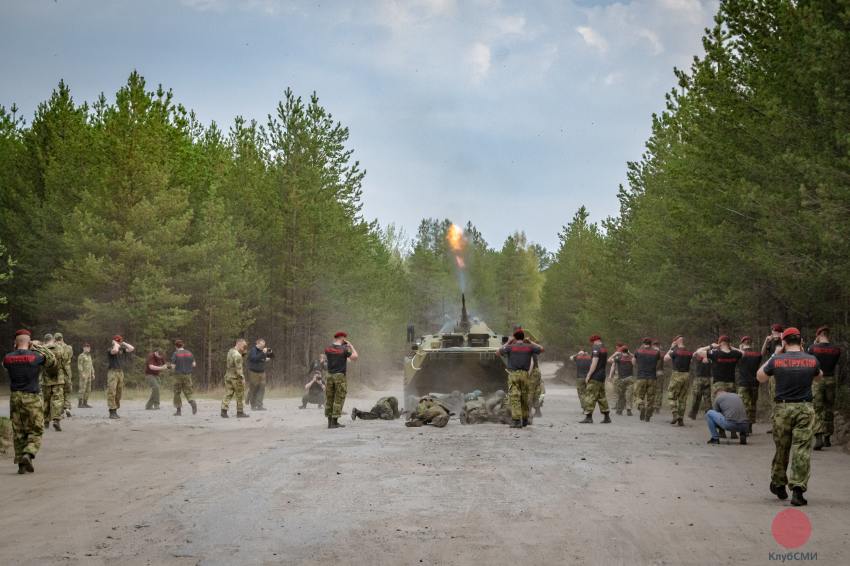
[{"x": 130, "y": 216}]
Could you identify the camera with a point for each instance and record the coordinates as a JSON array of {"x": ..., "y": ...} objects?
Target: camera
[{"x": 269, "y": 353}]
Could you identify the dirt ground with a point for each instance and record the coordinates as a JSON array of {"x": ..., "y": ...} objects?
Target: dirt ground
[{"x": 279, "y": 488}]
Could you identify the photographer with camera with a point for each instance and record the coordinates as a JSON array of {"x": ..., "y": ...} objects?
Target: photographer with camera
[{"x": 257, "y": 358}]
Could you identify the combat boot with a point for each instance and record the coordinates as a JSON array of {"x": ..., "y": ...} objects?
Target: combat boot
[
  {"x": 743, "y": 438},
  {"x": 779, "y": 491},
  {"x": 516, "y": 423},
  {"x": 194, "y": 407},
  {"x": 826, "y": 442},
  {"x": 241, "y": 415},
  {"x": 797, "y": 498},
  {"x": 86, "y": 405},
  {"x": 113, "y": 414},
  {"x": 79, "y": 403},
  {"x": 178, "y": 412},
  {"x": 67, "y": 412},
  {"x": 26, "y": 463},
  {"x": 713, "y": 440},
  {"x": 21, "y": 469},
  {"x": 224, "y": 414},
  {"x": 721, "y": 433},
  {"x": 354, "y": 414},
  {"x": 674, "y": 421},
  {"x": 734, "y": 435},
  {"x": 680, "y": 422},
  {"x": 525, "y": 422},
  {"x": 619, "y": 411},
  {"x": 588, "y": 418},
  {"x": 749, "y": 428},
  {"x": 818, "y": 441},
  {"x": 56, "y": 426},
  {"x": 648, "y": 415},
  {"x": 643, "y": 414},
  {"x": 537, "y": 412},
  {"x": 607, "y": 418},
  {"x": 331, "y": 422},
  {"x": 336, "y": 424},
  {"x": 628, "y": 412}
]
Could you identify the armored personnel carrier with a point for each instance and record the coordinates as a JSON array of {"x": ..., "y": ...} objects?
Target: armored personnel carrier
[{"x": 461, "y": 357}]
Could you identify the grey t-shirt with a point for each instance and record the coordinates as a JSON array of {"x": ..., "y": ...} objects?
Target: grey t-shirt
[{"x": 731, "y": 406}]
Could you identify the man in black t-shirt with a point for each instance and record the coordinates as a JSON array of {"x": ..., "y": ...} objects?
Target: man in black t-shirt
[
  {"x": 595, "y": 382},
  {"x": 661, "y": 378},
  {"x": 623, "y": 362},
  {"x": 646, "y": 359},
  {"x": 701, "y": 385},
  {"x": 520, "y": 353},
  {"x": 793, "y": 415},
  {"x": 748, "y": 386},
  {"x": 824, "y": 390},
  {"x": 677, "y": 391},
  {"x": 771, "y": 345},
  {"x": 337, "y": 354},
  {"x": 183, "y": 362},
  {"x": 724, "y": 361},
  {"x": 582, "y": 360}
]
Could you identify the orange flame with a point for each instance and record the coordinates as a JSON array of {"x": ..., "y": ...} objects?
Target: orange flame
[
  {"x": 455, "y": 237},
  {"x": 460, "y": 262}
]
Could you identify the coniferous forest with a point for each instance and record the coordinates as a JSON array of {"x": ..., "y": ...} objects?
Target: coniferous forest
[{"x": 127, "y": 215}]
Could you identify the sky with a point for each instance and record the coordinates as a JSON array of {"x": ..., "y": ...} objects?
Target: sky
[{"x": 508, "y": 114}]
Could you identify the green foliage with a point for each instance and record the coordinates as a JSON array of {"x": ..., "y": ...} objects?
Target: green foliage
[{"x": 735, "y": 216}]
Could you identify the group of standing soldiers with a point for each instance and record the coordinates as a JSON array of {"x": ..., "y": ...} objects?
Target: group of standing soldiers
[{"x": 802, "y": 386}]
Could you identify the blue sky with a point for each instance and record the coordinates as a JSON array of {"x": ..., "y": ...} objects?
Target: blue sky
[{"x": 509, "y": 114}]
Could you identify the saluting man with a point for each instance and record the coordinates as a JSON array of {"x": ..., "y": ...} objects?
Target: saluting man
[{"x": 337, "y": 354}]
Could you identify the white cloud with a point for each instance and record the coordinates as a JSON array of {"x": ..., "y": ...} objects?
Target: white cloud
[
  {"x": 510, "y": 25},
  {"x": 592, "y": 38},
  {"x": 479, "y": 60},
  {"x": 612, "y": 79},
  {"x": 653, "y": 39}
]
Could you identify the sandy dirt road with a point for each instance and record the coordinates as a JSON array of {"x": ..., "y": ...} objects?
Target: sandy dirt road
[{"x": 279, "y": 488}]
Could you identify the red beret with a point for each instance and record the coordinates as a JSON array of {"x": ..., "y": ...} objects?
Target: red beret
[
  {"x": 790, "y": 331},
  {"x": 821, "y": 330},
  {"x": 777, "y": 328},
  {"x": 595, "y": 337},
  {"x": 724, "y": 338},
  {"x": 646, "y": 340},
  {"x": 746, "y": 339},
  {"x": 23, "y": 332},
  {"x": 118, "y": 338},
  {"x": 340, "y": 334}
]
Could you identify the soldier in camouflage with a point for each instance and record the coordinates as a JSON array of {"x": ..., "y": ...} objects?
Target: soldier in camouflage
[
  {"x": 520, "y": 353},
  {"x": 824, "y": 390},
  {"x": 67, "y": 376},
  {"x": 582, "y": 361},
  {"x": 429, "y": 411},
  {"x": 493, "y": 409},
  {"x": 183, "y": 362},
  {"x": 26, "y": 412},
  {"x": 115, "y": 373},
  {"x": 337, "y": 354},
  {"x": 700, "y": 386},
  {"x": 85, "y": 367},
  {"x": 623, "y": 363},
  {"x": 234, "y": 379},
  {"x": 677, "y": 392},
  {"x": 385, "y": 409},
  {"x": 661, "y": 378},
  {"x": 793, "y": 415},
  {"x": 53, "y": 385},
  {"x": 748, "y": 385}
]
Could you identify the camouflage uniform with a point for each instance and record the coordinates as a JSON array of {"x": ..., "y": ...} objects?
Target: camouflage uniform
[
  {"x": 336, "y": 388},
  {"x": 645, "y": 395},
  {"x": 625, "y": 387},
  {"x": 538, "y": 388},
  {"x": 86, "y": 368},
  {"x": 53, "y": 386},
  {"x": 750, "y": 397},
  {"x": 700, "y": 388},
  {"x": 722, "y": 386},
  {"x": 67, "y": 375},
  {"x": 385, "y": 409},
  {"x": 234, "y": 382},
  {"x": 182, "y": 384},
  {"x": 520, "y": 394},
  {"x": 595, "y": 393},
  {"x": 660, "y": 380},
  {"x": 823, "y": 392},
  {"x": 581, "y": 390},
  {"x": 429, "y": 411},
  {"x": 26, "y": 412},
  {"x": 792, "y": 434},
  {"x": 677, "y": 393},
  {"x": 493, "y": 409}
]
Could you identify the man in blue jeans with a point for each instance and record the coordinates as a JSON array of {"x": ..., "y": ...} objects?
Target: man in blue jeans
[{"x": 728, "y": 413}]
